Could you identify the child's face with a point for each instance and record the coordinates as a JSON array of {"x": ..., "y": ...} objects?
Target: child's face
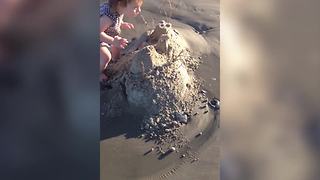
[{"x": 133, "y": 8}]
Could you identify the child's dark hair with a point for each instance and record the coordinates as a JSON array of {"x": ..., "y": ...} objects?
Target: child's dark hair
[{"x": 123, "y": 3}]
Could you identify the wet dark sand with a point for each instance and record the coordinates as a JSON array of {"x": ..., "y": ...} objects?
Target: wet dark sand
[{"x": 125, "y": 156}]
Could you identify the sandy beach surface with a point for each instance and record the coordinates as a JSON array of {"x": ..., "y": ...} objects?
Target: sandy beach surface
[{"x": 125, "y": 156}]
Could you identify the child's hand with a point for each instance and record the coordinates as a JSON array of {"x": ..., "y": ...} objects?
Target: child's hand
[
  {"x": 126, "y": 25},
  {"x": 120, "y": 42}
]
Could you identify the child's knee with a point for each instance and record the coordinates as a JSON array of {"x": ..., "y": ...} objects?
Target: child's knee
[
  {"x": 105, "y": 53},
  {"x": 105, "y": 57}
]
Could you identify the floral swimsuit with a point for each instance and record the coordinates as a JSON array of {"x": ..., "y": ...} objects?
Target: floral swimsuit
[{"x": 114, "y": 29}]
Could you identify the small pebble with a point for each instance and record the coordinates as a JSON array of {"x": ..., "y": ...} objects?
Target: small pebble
[
  {"x": 214, "y": 104},
  {"x": 172, "y": 148},
  {"x": 205, "y": 112},
  {"x": 181, "y": 117},
  {"x": 194, "y": 160},
  {"x": 205, "y": 101},
  {"x": 199, "y": 134},
  {"x": 203, "y": 91},
  {"x": 154, "y": 101}
]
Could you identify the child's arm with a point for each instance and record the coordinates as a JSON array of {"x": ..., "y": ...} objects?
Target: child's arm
[
  {"x": 117, "y": 41},
  {"x": 105, "y": 23},
  {"x": 106, "y": 38},
  {"x": 126, "y": 25}
]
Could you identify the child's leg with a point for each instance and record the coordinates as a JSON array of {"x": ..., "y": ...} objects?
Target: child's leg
[
  {"x": 105, "y": 57},
  {"x": 115, "y": 52}
]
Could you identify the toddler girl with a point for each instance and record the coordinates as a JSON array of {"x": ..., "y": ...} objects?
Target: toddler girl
[{"x": 111, "y": 23}]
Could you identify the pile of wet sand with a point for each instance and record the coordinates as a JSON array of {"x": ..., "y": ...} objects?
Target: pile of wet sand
[{"x": 156, "y": 74}]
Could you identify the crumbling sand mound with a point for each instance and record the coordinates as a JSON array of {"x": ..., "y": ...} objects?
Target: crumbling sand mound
[{"x": 156, "y": 74}]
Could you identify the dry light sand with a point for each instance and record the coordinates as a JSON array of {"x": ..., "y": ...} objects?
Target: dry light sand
[{"x": 123, "y": 153}]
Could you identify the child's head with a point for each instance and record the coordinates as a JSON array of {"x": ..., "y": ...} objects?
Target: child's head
[{"x": 130, "y": 8}]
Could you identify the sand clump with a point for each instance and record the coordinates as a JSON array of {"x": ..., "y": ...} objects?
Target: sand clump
[{"x": 155, "y": 73}]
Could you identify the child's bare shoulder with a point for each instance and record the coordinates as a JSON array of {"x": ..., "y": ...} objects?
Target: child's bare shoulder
[{"x": 105, "y": 22}]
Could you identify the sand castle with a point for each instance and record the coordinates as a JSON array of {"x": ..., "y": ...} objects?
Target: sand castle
[
  {"x": 159, "y": 61},
  {"x": 156, "y": 73}
]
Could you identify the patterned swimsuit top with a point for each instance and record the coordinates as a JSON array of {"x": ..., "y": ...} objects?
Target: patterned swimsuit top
[{"x": 114, "y": 29}]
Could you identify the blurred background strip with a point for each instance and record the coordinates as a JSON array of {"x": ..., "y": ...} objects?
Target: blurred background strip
[
  {"x": 49, "y": 90},
  {"x": 270, "y": 86}
]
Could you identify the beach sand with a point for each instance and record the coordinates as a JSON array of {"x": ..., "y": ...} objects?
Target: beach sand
[{"x": 125, "y": 156}]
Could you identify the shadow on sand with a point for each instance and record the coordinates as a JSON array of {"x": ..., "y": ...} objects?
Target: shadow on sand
[{"x": 128, "y": 124}]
